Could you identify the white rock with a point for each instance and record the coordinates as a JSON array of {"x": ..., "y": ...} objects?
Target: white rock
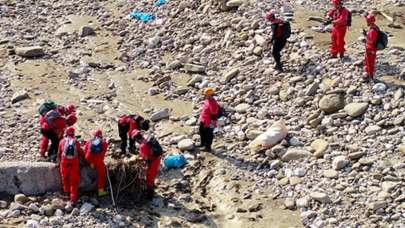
[
  {"x": 371, "y": 130},
  {"x": 159, "y": 115},
  {"x": 339, "y": 162},
  {"x": 86, "y": 208},
  {"x": 242, "y": 108},
  {"x": 186, "y": 144}
]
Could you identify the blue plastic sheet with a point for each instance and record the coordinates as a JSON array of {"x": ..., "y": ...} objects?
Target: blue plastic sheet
[
  {"x": 175, "y": 161},
  {"x": 144, "y": 17},
  {"x": 159, "y": 3}
]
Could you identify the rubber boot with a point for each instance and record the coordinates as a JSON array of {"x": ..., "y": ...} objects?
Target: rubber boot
[{"x": 101, "y": 192}]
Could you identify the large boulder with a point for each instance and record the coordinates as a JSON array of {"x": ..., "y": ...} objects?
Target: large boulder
[
  {"x": 36, "y": 178},
  {"x": 332, "y": 103},
  {"x": 161, "y": 114},
  {"x": 186, "y": 144}
]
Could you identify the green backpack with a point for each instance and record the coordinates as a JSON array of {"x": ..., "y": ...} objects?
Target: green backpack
[{"x": 47, "y": 106}]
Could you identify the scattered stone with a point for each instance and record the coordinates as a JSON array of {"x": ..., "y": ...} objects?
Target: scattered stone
[
  {"x": 330, "y": 173},
  {"x": 20, "y": 198},
  {"x": 377, "y": 205},
  {"x": 319, "y": 146},
  {"x": 186, "y": 144},
  {"x": 159, "y": 115},
  {"x": 289, "y": 203},
  {"x": 332, "y": 103},
  {"x": 86, "y": 208},
  {"x": 371, "y": 130},
  {"x": 295, "y": 154},
  {"x": 193, "y": 68},
  {"x": 86, "y": 31},
  {"x": 30, "y": 52},
  {"x": 242, "y": 108},
  {"x": 19, "y": 96},
  {"x": 320, "y": 196},
  {"x": 234, "y": 3},
  {"x": 356, "y": 109},
  {"x": 339, "y": 162},
  {"x": 228, "y": 76}
]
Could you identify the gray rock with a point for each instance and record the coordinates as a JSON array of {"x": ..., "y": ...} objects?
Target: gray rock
[
  {"x": 228, "y": 76},
  {"x": 371, "y": 130},
  {"x": 332, "y": 103},
  {"x": 260, "y": 40},
  {"x": 35, "y": 178},
  {"x": 30, "y": 52},
  {"x": 295, "y": 154},
  {"x": 193, "y": 68},
  {"x": 175, "y": 64},
  {"x": 20, "y": 198},
  {"x": 319, "y": 146},
  {"x": 194, "y": 80},
  {"x": 153, "y": 91},
  {"x": 159, "y": 115},
  {"x": 234, "y": 3},
  {"x": 377, "y": 205},
  {"x": 86, "y": 208},
  {"x": 186, "y": 144},
  {"x": 19, "y": 96},
  {"x": 276, "y": 164},
  {"x": 311, "y": 90},
  {"x": 320, "y": 196},
  {"x": 58, "y": 204},
  {"x": 242, "y": 108},
  {"x": 356, "y": 109},
  {"x": 181, "y": 91},
  {"x": 330, "y": 173},
  {"x": 3, "y": 204},
  {"x": 47, "y": 210},
  {"x": 289, "y": 203},
  {"x": 398, "y": 94},
  {"x": 86, "y": 31},
  {"x": 339, "y": 162}
]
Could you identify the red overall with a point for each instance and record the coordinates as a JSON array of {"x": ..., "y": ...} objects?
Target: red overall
[
  {"x": 153, "y": 164},
  {"x": 339, "y": 17},
  {"x": 371, "y": 51},
  {"x": 55, "y": 134},
  {"x": 97, "y": 160},
  {"x": 70, "y": 169},
  {"x": 126, "y": 124}
]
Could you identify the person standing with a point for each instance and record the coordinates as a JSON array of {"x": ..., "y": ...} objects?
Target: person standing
[
  {"x": 208, "y": 118},
  {"x": 339, "y": 17},
  {"x": 126, "y": 124},
  {"x": 152, "y": 156},
  {"x": 69, "y": 163},
  {"x": 281, "y": 31},
  {"x": 95, "y": 150},
  {"x": 371, "y": 47}
]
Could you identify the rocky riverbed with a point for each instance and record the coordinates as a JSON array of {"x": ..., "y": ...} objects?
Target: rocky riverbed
[{"x": 341, "y": 164}]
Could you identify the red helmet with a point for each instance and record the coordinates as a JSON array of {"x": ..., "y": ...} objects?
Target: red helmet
[
  {"x": 336, "y": 2},
  {"x": 135, "y": 134},
  {"x": 71, "y": 119},
  {"x": 70, "y": 131},
  {"x": 98, "y": 133},
  {"x": 71, "y": 108},
  {"x": 270, "y": 16},
  {"x": 370, "y": 18}
]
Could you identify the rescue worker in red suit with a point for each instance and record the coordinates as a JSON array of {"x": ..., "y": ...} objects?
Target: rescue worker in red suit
[
  {"x": 69, "y": 163},
  {"x": 153, "y": 162},
  {"x": 338, "y": 16},
  {"x": 126, "y": 124},
  {"x": 95, "y": 150},
  {"x": 208, "y": 118},
  {"x": 278, "y": 40},
  {"x": 54, "y": 131},
  {"x": 371, "y": 49}
]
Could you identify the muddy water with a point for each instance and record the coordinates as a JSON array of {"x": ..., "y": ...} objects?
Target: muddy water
[{"x": 322, "y": 40}]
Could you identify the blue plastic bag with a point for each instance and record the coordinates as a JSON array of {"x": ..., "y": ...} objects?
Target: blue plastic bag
[
  {"x": 175, "y": 161},
  {"x": 160, "y": 3},
  {"x": 144, "y": 17}
]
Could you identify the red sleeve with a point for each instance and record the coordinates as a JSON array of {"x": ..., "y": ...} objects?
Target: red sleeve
[
  {"x": 132, "y": 125},
  {"x": 79, "y": 148},
  {"x": 87, "y": 150},
  {"x": 60, "y": 149},
  {"x": 342, "y": 19},
  {"x": 144, "y": 151},
  {"x": 214, "y": 109},
  {"x": 330, "y": 13}
]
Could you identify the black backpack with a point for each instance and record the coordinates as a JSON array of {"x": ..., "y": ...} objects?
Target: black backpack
[
  {"x": 349, "y": 18},
  {"x": 287, "y": 29},
  {"x": 96, "y": 145},
  {"x": 47, "y": 106},
  {"x": 51, "y": 116},
  {"x": 156, "y": 148},
  {"x": 382, "y": 40},
  {"x": 69, "y": 150},
  {"x": 221, "y": 112}
]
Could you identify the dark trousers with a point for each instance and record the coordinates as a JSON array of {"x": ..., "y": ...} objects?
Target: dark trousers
[
  {"x": 207, "y": 136},
  {"x": 278, "y": 46},
  {"x": 53, "y": 149},
  {"x": 123, "y": 132}
]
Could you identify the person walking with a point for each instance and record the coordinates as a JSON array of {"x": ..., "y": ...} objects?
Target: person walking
[{"x": 208, "y": 118}]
